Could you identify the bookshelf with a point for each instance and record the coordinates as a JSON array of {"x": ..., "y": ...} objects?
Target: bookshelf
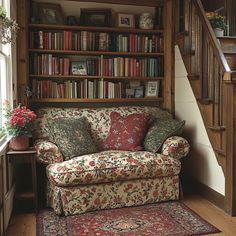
[{"x": 114, "y": 63}]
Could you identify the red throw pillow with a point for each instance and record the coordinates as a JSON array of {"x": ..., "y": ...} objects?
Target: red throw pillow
[{"x": 126, "y": 133}]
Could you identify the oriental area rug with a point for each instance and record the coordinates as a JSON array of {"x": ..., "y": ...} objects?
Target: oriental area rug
[{"x": 161, "y": 219}]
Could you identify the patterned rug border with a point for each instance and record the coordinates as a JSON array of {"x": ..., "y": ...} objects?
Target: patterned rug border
[{"x": 64, "y": 228}]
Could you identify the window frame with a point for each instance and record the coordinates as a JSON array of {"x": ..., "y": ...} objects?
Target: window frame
[{"x": 6, "y": 81}]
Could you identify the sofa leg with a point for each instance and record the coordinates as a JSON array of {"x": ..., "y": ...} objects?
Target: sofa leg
[{"x": 181, "y": 194}]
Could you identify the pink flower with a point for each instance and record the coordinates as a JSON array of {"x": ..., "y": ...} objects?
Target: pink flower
[{"x": 19, "y": 120}]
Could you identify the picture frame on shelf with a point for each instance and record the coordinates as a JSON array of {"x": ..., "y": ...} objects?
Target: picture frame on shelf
[
  {"x": 129, "y": 92},
  {"x": 79, "y": 68},
  {"x": 99, "y": 17},
  {"x": 125, "y": 20},
  {"x": 152, "y": 88},
  {"x": 50, "y": 13},
  {"x": 139, "y": 92}
]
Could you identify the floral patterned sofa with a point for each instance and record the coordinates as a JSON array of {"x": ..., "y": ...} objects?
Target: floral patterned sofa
[{"x": 110, "y": 178}]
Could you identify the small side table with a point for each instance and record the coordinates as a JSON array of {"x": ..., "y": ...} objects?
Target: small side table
[{"x": 21, "y": 157}]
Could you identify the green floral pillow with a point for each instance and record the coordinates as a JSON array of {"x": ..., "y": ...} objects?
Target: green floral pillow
[
  {"x": 71, "y": 136},
  {"x": 159, "y": 131}
]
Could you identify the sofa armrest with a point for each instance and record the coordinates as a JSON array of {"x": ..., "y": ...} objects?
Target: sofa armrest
[
  {"x": 176, "y": 147},
  {"x": 48, "y": 152}
]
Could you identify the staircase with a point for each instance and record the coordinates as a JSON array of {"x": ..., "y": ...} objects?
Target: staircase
[
  {"x": 210, "y": 63},
  {"x": 228, "y": 46}
]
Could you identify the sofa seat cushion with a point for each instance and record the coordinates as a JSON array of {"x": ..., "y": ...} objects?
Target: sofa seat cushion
[{"x": 111, "y": 166}]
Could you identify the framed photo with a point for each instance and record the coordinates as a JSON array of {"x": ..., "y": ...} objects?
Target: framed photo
[
  {"x": 79, "y": 68},
  {"x": 129, "y": 92},
  {"x": 50, "y": 13},
  {"x": 125, "y": 20},
  {"x": 139, "y": 92},
  {"x": 152, "y": 89},
  {"x": 95, "y": 17}
]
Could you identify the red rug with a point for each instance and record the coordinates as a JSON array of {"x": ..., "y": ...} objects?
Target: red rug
[{"x": 164, "y": 219}]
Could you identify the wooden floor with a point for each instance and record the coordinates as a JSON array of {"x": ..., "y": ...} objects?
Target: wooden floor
[{"x": 25, "y": 224}]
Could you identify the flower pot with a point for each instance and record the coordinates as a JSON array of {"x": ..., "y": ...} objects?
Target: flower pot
[
  {"x": 219, "y": 32},
  {"x": 19, "y": 143}
]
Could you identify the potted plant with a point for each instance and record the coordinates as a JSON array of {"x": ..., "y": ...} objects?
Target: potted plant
[
  {"x": 8, "y": 27},
  {"x": 18, "y": 126},
  {"x": 218, "y": 24}
]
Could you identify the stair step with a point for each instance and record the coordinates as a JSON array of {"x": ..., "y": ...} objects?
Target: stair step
[
  {"x": 216, "y": 128},
  {"x": 193, "y": 77},
  {"x": 233, "y": 75},
  {"x": 231, "y": 59},
  {"x": 220, "y": 152},
  {"x": 205, "y": 101}
]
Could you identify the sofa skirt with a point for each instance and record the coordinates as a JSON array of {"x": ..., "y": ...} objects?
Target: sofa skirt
[{"x": 84, "y": 198}]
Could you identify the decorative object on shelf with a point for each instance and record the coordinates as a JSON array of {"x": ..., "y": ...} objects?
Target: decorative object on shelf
[
  {"x": 8, "y": 27},
  {"x": 218, "y": 32},
  {"x": 78, "y": 68},
  {"x": 99, "y": 17},
  {"x": 50, "y": 13},
  {"x": 146, "y": 21},
  {"x": 18, "y": 125},
  {"x": 71, "y": 20},
  {"x": 159, "y": 17},
  {"x": 217, "y": 22},
  {"x": 125, "y": 20},
  {"x": 28, "y": 92},
  {"x": 152, "y": 88}
]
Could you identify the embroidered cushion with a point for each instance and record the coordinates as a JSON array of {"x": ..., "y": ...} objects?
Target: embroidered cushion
[
  {"x": 71, "y": 136},
  {"x": 159, "y": 131},
  {"x": 126, "y": 133}
]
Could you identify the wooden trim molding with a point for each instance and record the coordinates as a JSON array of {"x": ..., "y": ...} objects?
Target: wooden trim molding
[{"x": 196, "y": 187}]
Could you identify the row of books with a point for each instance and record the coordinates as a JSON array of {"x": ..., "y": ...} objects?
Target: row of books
[
  {"x": 96, "y": 41},
  {"x": 138, "y": 43},
  {"x": 77, "y": 89},
  {"x": 122, "y": 66},
  {"x": 48, "y": 64}
]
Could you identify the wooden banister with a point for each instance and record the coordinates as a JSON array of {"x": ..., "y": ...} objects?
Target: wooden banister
[{"x": 209, "y": 31}]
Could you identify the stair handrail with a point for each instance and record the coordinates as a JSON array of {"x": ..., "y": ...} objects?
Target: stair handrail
[{"x": 215, "y": 44}]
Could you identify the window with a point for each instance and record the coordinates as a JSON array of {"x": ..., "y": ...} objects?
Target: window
[{"x": 5, "y": 74}]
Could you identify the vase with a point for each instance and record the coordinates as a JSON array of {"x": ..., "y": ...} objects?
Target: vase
[
  {"x": 19, "y": 143},
  {"x": 146, "y": 21},
  {"x": 219, "y": 32}
]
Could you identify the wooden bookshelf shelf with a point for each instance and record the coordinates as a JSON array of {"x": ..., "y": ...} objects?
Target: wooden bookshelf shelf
[
  {"x": 123, "y": 78},
  {"x": 95, "y": 100},
  {"x": 97, "y": 53},
  {"x": 94, "y": 28}
]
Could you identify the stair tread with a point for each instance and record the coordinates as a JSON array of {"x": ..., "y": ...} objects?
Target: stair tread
[
  {"x": 205, "y": 101},
  {"x": 217, "y": 128},
  {"x": 221, "y": 152}
]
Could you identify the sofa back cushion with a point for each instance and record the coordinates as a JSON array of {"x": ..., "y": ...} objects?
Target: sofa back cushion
[
  {"x": 159, "y": 131},
  {"x": 71, "y": 136},
  {"x": 98, "y": 119}
]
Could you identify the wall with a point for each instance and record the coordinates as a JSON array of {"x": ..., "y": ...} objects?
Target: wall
[{"x": 201, "y": 163}]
